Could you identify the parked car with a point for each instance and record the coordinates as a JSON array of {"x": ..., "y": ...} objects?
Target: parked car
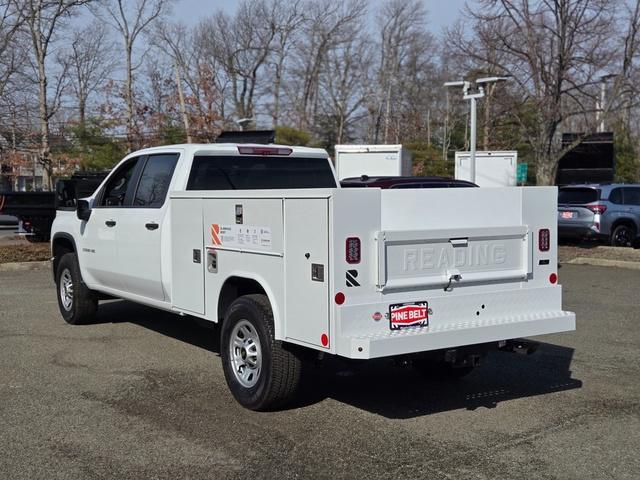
[
  {"x": 608, "y": 212},
  {"x": 404, "y": 182}
]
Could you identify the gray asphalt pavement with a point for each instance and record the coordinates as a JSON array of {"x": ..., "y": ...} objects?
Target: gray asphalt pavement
[{"x": 141, "y": 394}]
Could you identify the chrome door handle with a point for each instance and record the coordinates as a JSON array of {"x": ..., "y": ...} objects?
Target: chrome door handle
[
  {"x": 151, "y": 226},
  {"x": 110, "y": 223}
]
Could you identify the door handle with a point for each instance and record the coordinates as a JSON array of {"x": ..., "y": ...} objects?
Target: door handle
[
  {"x": 110, "y": 223},
  {"x": 151, "y": 226}
]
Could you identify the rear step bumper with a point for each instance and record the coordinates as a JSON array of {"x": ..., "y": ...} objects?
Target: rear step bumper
[{"x": 413, "y": 340}]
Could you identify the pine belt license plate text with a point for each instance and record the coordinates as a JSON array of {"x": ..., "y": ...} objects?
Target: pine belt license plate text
[
  {"x": 567, "y": 214},
  {"x": 415, "y": 314}
]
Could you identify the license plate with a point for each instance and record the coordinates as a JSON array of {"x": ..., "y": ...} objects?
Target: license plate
[
  {"x": 567, "y": 214},
  {"x": 402, "y": 315}
]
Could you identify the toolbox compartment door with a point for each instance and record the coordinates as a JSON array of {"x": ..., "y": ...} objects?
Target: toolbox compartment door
[
  {"x": 307, "y": 276},
  {"x": 452, "y": 257}
]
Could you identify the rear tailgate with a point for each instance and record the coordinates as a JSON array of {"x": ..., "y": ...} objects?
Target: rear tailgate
[
  {"x": 482, "y": 261},
  {"x": 451, "y": 257}
]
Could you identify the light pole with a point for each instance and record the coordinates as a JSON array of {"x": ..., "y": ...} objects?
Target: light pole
[
  {"x": 602, "y": 106},
  {"x": 472, "y": 91}
]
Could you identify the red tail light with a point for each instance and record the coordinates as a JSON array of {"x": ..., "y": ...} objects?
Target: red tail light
[
  {"x": 264, "y": 151},
  {"x": 352, "y": 250},
  {"x": 597, "y": 209},
  {"x": 544, "y": 240}
]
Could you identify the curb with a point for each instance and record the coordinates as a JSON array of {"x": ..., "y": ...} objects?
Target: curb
[
  {"x": 601, "y": 262},
  {"x": 24, "y": 266}
]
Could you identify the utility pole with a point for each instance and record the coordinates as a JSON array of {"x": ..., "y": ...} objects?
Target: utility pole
[{"x": 472, "y": 91}]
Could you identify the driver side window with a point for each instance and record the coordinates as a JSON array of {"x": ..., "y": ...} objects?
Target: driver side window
[{"x": 115, "y": 191}]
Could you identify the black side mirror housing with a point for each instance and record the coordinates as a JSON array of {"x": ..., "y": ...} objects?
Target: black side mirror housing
[{"x": 83, "y": 210}]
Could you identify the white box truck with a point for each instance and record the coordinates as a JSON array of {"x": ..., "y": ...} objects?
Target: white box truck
[
  {"x": 493, "y": 169},
  {"x": 372, "y": 160},
  {"x": 263, "y": 241}
]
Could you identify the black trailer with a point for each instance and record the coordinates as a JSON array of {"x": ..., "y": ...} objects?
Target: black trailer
[{"x": 36, "y": 210}]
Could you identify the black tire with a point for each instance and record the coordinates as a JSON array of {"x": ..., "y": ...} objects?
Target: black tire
[
  {"x": 440, "y": 371},
  {"x": 83, "y": 303},
  {"x": 623, "y": 236},
  {"x": 279, "y": 373}
]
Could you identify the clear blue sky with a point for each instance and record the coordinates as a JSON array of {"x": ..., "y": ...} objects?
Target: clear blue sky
[{"x": 442, "y": 13}]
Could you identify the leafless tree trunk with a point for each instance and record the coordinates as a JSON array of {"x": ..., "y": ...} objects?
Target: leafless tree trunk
[
  {"x": 183, "y": 108},
  {"x": 42, "y": 19},
  {"x": 130, "y": 20}
]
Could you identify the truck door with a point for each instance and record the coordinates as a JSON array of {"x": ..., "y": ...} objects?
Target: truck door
[
  {"x": 139, "y": 251},
  {"x": 98, "y": 249}
]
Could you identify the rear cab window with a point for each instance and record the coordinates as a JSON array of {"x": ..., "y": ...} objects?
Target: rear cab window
[
  {"x": 578, "y": 196},
  {"x": 249, "y": 172}
]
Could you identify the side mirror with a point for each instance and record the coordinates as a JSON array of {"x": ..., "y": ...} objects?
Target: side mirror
[{"x": 83, "y": 211}]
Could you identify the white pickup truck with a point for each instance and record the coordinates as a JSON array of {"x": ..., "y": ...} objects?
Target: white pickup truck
[{"x": 262, "y": 240}]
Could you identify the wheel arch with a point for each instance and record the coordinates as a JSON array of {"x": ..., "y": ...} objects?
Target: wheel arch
[
  {"x": 61, "y": 244},
  {"x": 239, "y": 284}
]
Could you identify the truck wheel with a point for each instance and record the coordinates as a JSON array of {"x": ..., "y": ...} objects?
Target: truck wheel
[
  {"x": 440, "y": 371},
  {"x": 623, "y": 236},
  {"x": 77, "y": 303},
  {"x": 261, "y": 373}
]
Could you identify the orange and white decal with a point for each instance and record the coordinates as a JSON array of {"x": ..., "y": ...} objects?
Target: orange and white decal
[{"x": 215, "y": 234}]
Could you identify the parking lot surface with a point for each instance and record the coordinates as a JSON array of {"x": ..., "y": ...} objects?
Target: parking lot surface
[{"x": 141, "y": 394}]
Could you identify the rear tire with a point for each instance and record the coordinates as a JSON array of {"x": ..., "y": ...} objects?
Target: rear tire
[
  {"x": 261, "y": 373},
  {"x": 78, "y": 304},
  {"x": 623, "y": 236},
  {"x": 440, "y": 371}
]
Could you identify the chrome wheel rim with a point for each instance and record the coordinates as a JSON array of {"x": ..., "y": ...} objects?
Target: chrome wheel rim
[
  {"x": 245, "y": 353},
  {"x": 66, "y": 289}
]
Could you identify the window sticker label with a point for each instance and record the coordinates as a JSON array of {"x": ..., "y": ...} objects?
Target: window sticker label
[{"x": 248, "y": 236}]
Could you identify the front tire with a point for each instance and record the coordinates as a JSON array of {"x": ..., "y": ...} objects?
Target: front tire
[
  {"x": 77, "y": 303},
  {"x": 261, "y": 373}
]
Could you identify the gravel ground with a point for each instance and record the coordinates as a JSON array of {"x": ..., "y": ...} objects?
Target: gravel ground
[
  {"x": 141, "y": 394},
  {"x": 569, "y": 252}
]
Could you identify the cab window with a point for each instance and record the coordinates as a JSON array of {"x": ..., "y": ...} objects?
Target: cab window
[{"x": 115, "y": 191}]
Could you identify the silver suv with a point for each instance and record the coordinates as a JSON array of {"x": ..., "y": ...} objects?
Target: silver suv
[{"x": 610, "y": 212}]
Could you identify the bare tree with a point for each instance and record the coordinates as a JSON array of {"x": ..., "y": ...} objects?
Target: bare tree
[
  {"x": 401, "y": 23},
  {"x": 288, "y": 18},
  {"x": 242, "y": 44},
  {"x": 130, "y": 19},
  {"x": 328, "y": 25},
  {"x": 343, "y": 90},
  {"x": 11, "y": 20},
  {"x": 555, "y": 50},
  {"x": 91, "y": 62},
  {"x": 43, "y": 18}
]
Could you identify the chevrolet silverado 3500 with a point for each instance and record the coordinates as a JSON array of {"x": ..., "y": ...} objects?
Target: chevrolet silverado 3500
[{"x": 262, "y": 240}]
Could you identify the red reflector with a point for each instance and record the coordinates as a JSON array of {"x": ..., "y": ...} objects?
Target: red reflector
[
  {"x": 264, "y": 151},
  {"x": 324, "y": 339},
  {"x": 340, "y": 298},
  {"x": 544, "y": 240},
  {"x": 598, "y": 209},
  {"x": 352, "y": 251},
  {"x": 553, "y": 278}
]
